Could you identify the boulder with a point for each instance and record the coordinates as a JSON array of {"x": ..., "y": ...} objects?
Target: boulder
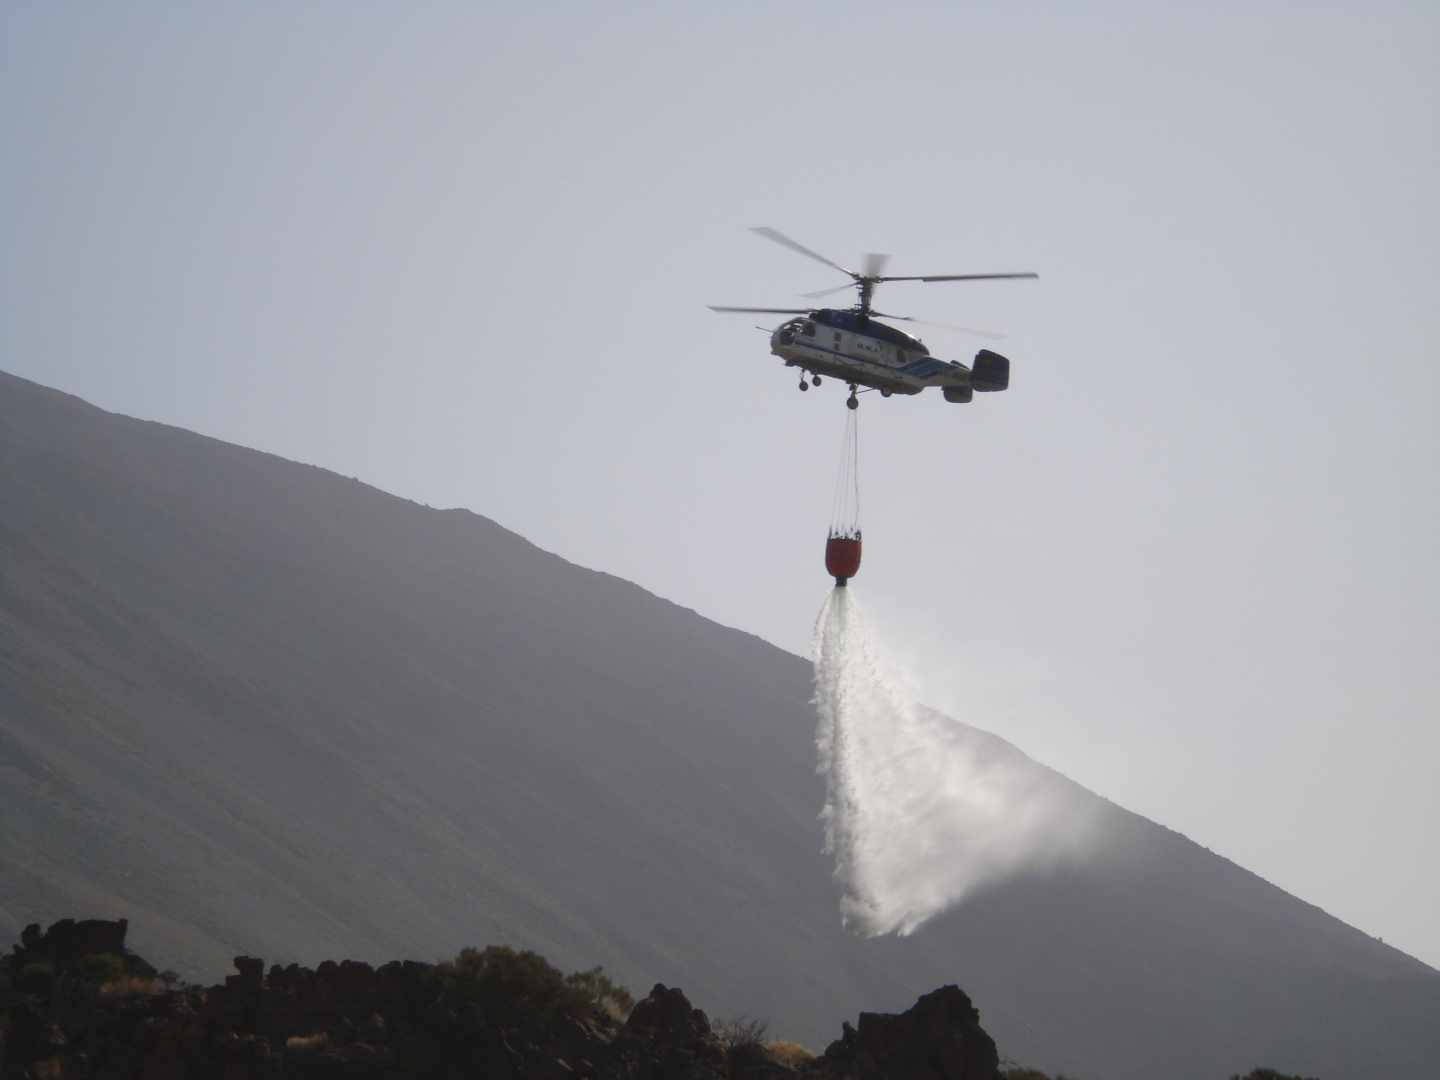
[
  {"x": 938, "y": 1037},
  {"x": 69, "y": 941},
  {"x": 666, "y": 1037}
]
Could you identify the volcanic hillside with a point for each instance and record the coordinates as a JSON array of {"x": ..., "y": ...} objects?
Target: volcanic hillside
[{"x": 256, "y": 707}]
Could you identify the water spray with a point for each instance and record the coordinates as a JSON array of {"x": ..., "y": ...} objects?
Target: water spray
[{"x": 920, "y": 810}]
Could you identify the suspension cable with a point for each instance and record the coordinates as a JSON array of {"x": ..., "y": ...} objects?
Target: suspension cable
[{"x": 845, "y": 506}]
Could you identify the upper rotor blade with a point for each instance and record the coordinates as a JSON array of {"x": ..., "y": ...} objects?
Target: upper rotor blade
[
  {"x": 960, "y": 277},
  {"x": 991, "y": 334},
  {"x": 784, "y": 241},
  {"x": 827, "y": 292},
  {"x": 873, "y": 265},
  {"x": 769, "y": 310}
]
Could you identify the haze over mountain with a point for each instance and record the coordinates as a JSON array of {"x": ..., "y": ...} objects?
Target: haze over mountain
[{"x": 254, "y": 706}]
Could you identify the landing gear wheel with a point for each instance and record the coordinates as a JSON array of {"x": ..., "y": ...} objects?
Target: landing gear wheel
[
  {"x": 815, "y": 380},
  {"x": 885, "y": 393},
  {"x": 804, "y": 385},
  {"x": 852, "y": 402}
]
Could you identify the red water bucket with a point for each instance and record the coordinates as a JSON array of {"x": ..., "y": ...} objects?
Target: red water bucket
[{"x": 842, "y": 558}]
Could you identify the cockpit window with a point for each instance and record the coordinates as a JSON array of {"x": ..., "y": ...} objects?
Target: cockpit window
[{"x": 808, "y": 329}]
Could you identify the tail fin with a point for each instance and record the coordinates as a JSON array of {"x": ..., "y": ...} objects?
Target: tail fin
[{"x": 991, "y": 372}]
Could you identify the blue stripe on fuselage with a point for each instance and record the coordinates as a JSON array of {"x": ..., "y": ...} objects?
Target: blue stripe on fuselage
[{"x": 920, "y": 369}]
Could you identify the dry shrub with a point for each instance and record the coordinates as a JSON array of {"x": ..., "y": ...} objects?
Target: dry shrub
[
  {"x": 614, "y": 1009},
  {"x": 318, "y": 1041},
  {"x": 790, "y": 1054},
  {"x": 740, "y": 1032},
  {"x": 131, "y": 986}
]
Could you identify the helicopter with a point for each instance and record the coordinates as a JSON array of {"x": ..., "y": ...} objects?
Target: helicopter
[{"x": 852, "y": 345}]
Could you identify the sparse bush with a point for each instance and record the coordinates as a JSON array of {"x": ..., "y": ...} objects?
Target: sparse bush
[
  {"x": 101, "y": 968},
  {"x": 36, "y": 978},
  {"x": 602, "y": 992},
  {"x": 508, "y": 987},
  {"x": 1269, "y": 1074},
  {"x": 740, "y": 1033}
]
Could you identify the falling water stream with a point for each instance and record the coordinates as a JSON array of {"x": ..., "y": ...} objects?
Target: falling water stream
[{"x": 919, "y": 809}]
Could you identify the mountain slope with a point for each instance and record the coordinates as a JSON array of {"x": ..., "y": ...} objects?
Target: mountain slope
[{"x": 257, "y": 707}]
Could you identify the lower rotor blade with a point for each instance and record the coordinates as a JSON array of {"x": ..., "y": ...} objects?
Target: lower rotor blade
[
  {"x": 991, "y": 334},
  {"x": 764, "y": 310}
]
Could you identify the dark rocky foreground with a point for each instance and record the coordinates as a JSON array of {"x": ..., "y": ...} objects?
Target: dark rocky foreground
[{"x": 76, "y": 1003}]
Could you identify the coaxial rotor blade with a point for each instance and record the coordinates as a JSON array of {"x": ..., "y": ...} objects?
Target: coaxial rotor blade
[
  {"x": 827, "y": 292},
  {"x": 991, "y": 334},
  {"x": 873, "y": 265},
  {"x": 784, "y": 241},
  {"x": 764, "y": 310},
  {"x": 959, "y": 277}
]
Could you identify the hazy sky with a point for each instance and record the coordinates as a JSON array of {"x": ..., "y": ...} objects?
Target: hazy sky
[{"x": 463, "y": 252}]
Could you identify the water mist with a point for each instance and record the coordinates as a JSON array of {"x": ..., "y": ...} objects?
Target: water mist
[{"x": 919, "y": 810}]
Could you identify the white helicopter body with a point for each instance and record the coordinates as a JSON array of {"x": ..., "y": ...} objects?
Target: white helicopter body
[
  {"x": 862, "y": 351},
  {"x": 853, "y": 345}
]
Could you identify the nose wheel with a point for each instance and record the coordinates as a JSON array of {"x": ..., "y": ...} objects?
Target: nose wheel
[{"x": 852, "y": 402}]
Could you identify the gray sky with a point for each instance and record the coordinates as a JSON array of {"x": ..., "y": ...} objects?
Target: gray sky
[{"x": 463, "y": 251}]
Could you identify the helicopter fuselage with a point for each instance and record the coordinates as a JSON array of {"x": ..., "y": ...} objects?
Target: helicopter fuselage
[{"x": 863, "y": 351}]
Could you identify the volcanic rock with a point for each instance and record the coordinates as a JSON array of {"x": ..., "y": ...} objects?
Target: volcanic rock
[{"x": 939, "y": 1036}]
